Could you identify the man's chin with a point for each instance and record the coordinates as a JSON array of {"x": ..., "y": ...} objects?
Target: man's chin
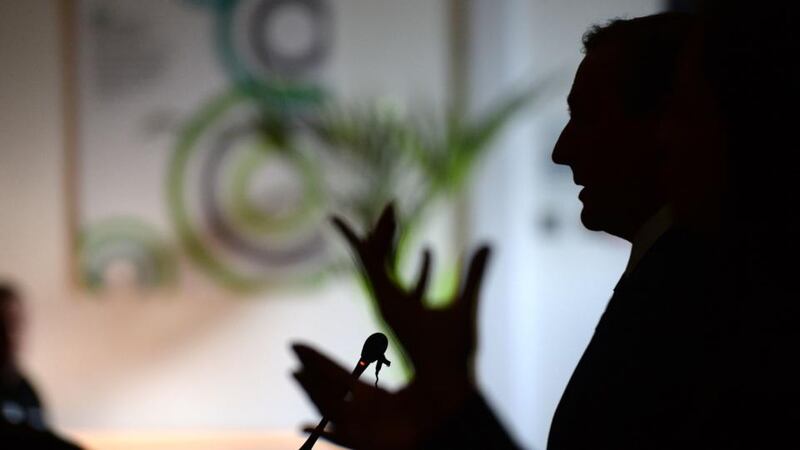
[{"x": 591, "y": 221}]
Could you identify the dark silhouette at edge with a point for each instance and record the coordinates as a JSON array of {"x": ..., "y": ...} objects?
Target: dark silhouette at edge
[{"x": 682, "y": 133}]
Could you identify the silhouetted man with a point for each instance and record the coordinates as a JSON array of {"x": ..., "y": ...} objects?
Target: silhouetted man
[
  {"x": 22, "y": 421},
  {"x": 660, "y": 370},
  {"x": 19, "y": 403},
  {"x": 648, "y": 377}
]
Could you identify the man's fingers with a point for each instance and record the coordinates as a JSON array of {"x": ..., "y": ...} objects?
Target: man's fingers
[
  {"x": 323, "y": 377},
  {"x": 348, "y": 234},
  {"x": 387, "y": 222},
  {"x": 326, "y": 384},
  {"x": 309, "y": 428},
  {"x": 371, "y": 262},
  {"x": 381, "y": 239},
  {"x": 336, "y": 436},
  {"x": 424, "y": 275},
  {"x": 319, "y": 363},
  {"x": 329, "y": 402},
  {"x": 474, "y": 278},
  {"x": 333, "y": 375}
]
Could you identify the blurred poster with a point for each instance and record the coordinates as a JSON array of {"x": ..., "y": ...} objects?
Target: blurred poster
[{"x": 186, "y": 109}]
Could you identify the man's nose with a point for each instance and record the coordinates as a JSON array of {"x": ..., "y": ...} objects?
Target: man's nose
[{"x": 562, "y": 151}]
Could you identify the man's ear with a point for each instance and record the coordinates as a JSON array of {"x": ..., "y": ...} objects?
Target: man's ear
[{"x": 667, "y": 153}]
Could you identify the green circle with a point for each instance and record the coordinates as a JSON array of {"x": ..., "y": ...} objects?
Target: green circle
[
  {"x": 188, "y": 236},
  {"x": 241, "y": 208},
  {"x": 153, "y": 259}
]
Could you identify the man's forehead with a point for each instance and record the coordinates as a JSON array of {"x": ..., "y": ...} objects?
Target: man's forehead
[{"x": 599, "y": 73}]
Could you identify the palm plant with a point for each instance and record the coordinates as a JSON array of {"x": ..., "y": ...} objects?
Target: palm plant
[{"x": 412, "y": 159}]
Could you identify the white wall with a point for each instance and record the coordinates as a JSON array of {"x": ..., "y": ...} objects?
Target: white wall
[
  {"x": 32, "y": 235},
  {"x": 224, "y": 363},
  {"x": 203, "y": 360},
  {"x": 546, "y": 290}
]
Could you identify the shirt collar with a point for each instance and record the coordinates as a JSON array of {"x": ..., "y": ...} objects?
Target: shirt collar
[{"x": 648, "y": 234}]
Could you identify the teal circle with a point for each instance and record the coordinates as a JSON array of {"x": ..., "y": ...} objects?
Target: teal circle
[
  {"x": 143, "y": 246},
  {"x": 237, "y": 68},
  {"x": 241, "y": 209},
  {"x": 190, "y": 238}
]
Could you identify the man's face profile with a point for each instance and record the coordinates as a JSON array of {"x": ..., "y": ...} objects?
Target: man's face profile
[{"x": 610, "y": 149}]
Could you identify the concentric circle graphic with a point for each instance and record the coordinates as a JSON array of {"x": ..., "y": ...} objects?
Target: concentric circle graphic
[
  {"x": 284, "y": 62},
  {"x": 256, "y": 42},
  {"x": 245, "y": 175},
  {"x": 128, "y": 241},
  {"x": 212, "y": 178},
  {"x": 246, "y": 209}
]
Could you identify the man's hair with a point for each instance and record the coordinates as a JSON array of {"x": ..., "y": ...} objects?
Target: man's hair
[
  {"x": 650, "y": 47},
  {"x": 7, "y": 293}
]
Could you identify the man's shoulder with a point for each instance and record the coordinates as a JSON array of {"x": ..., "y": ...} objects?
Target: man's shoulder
[{"x": 679, "y": 259}]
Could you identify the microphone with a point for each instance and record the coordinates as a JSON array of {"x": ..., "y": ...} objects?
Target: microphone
[{"x": 373, "y": 351}]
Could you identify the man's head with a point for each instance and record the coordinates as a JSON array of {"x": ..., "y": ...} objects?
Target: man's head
[
  {"x": 11, "y": 317},
  {"x": 616, "y": 102}
]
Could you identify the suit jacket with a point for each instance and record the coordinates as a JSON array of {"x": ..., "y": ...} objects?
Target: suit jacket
[
  {"x": 677, "y": 360},
  {"x": 659, "y": 362}
]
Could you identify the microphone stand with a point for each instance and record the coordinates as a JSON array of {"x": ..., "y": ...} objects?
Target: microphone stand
[{"x": 312, "y": 438}]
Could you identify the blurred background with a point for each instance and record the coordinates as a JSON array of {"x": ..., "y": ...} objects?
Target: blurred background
[{"x": 166, "y": 171}]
